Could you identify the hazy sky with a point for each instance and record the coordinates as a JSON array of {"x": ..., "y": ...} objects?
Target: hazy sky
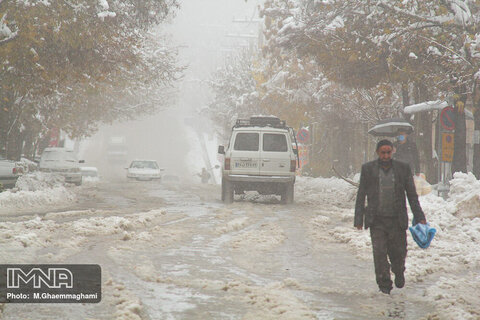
[{"x": 205, "y": 32}]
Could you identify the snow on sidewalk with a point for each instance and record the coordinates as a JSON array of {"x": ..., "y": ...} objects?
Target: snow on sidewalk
[{"x": 453, "y": 259}]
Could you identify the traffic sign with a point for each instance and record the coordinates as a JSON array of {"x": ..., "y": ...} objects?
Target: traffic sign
[
  {"x": 303, "y": 135},
  {"x": 302, "y": 156},
  {"x": 447, "y": 146},
  {"x": 447, "y": 116}
]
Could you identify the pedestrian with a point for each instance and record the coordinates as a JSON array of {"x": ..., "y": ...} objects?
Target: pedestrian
[
  {"x": 405, "y": 150},
  {"x": 204, "y": 175},
  {"x": 384, "y": 182}
]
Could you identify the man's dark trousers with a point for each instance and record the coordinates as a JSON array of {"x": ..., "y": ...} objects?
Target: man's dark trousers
[{"x": 388, "y": 239}]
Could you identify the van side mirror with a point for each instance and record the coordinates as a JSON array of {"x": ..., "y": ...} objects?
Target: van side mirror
[
  {"x": 295, "y": 151},
  {"x": 81, "y": 161},
  {"x": 221, "y": 149}
]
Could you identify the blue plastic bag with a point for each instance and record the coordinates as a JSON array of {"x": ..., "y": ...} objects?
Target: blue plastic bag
[{"x": 422, "y": 234}]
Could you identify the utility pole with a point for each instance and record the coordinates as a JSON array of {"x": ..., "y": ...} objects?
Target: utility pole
[{"x": 251, "y": 35}]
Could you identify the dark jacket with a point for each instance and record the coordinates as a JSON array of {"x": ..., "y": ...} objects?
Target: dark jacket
[
  {"x": 369, "y": 188},
  {"x": 408, "y": 153}
]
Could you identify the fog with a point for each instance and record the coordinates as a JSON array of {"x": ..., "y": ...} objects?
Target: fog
[{"x": 206, "y": 32}]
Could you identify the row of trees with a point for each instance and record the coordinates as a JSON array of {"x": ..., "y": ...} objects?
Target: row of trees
[
  {"x": 349, "y": 63},
  {"x": 74, "y": 65}
]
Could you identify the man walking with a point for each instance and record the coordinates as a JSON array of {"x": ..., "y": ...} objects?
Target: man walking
[
  {"x": 405, "y": 150},
  {"x": 204, "y": 175},
  {"x": 384, "y": 182}
]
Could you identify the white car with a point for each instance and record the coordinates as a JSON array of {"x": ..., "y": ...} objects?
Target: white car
[
  {"x": 62, "y": 161},
  {"x": 144, "y": 170},
  {"x": 9, "y": 173}
]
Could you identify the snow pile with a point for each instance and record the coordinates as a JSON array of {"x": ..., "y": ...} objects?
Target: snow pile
[
  {"x": 269, "y": 236},
  {"x": 37, "y": 180},
  {"x": 26, "y": 237},
  {"x": 101, "y": 225},
  {"x": 234, "y": 225},
  {"x": 5, "y": 31},
  {"x": 320, "y": 190},
  {"x": 465, "y": 194},
  {"x": 105, "y": 12},
  {"x": 35, "y": 190},
  {"x": 127, "y": 304}
]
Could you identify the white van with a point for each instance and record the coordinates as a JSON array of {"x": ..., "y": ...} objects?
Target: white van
[
  {"x": 62, "y": 161},
  {"x": 259, "y": 157}
]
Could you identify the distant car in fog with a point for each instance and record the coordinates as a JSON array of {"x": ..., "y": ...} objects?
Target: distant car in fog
[
  {"x": 116, "y": 147},
  {"x": 144, "y": 170}
]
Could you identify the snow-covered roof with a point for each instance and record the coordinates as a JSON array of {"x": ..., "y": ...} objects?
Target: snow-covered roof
[
  {"x": 425, "y": 106},
  {"x": 432, "y": 105}
]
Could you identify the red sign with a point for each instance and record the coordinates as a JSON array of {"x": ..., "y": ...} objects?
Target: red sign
[
  {"x": 447, "y": 117},
  {"x": 54, "y": 137},
  {"x": 303, "y": 135}
]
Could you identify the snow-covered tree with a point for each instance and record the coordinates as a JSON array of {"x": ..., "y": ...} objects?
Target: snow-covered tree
[
  {"x": 235, "y": 90},
  {"x": 71, "y": 65},
  {"x": 429, "y": 49}
]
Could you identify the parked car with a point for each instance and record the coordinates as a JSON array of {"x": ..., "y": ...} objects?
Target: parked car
[
  {"x": 9, "y": 173},
  {"x": 62, "y": 161},
  {"x": 259, "y": 157},
  {"x": 89, "y": 172},
  {"x": 144, "y": 170}
]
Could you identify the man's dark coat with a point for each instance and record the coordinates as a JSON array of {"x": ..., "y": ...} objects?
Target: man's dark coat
[
  {"x": 407, "y": 152},
  {"x": 369, "y": 188}
]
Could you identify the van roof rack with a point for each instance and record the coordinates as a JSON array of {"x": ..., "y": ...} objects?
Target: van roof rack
[{"x": 261, "y": 121}]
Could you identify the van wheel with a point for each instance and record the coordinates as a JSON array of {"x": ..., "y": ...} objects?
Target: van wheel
[
  {"x": 288, "y": 194},
  {"x": 227, "y": 191}
]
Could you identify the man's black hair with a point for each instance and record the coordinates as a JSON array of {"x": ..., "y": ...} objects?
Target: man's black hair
[{"x": 384, "y": 142}]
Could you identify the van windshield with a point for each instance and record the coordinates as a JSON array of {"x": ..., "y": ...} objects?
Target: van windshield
[
  {"x": 274, "y": 142},
  {"x": 246, "y": 141}
]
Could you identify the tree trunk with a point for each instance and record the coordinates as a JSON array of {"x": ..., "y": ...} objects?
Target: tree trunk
[
  {"x": 476, "y": 119},
  {"x": 28, "y": 148},
  {"x": 15, "y": 143},
  {"x": 459, "y": 163},
  {"x": 423, "y": 130},
  {"x": 476, "y": 145},
  {"x": 405, "y": 96}
]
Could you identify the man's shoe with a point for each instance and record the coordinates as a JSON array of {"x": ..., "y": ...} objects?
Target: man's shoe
[
  {"x": 385, "y": 290},
  {"x": 399, "y": 280}
]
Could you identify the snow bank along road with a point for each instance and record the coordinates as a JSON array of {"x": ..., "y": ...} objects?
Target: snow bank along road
[{"x": 173, "y": 251}]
